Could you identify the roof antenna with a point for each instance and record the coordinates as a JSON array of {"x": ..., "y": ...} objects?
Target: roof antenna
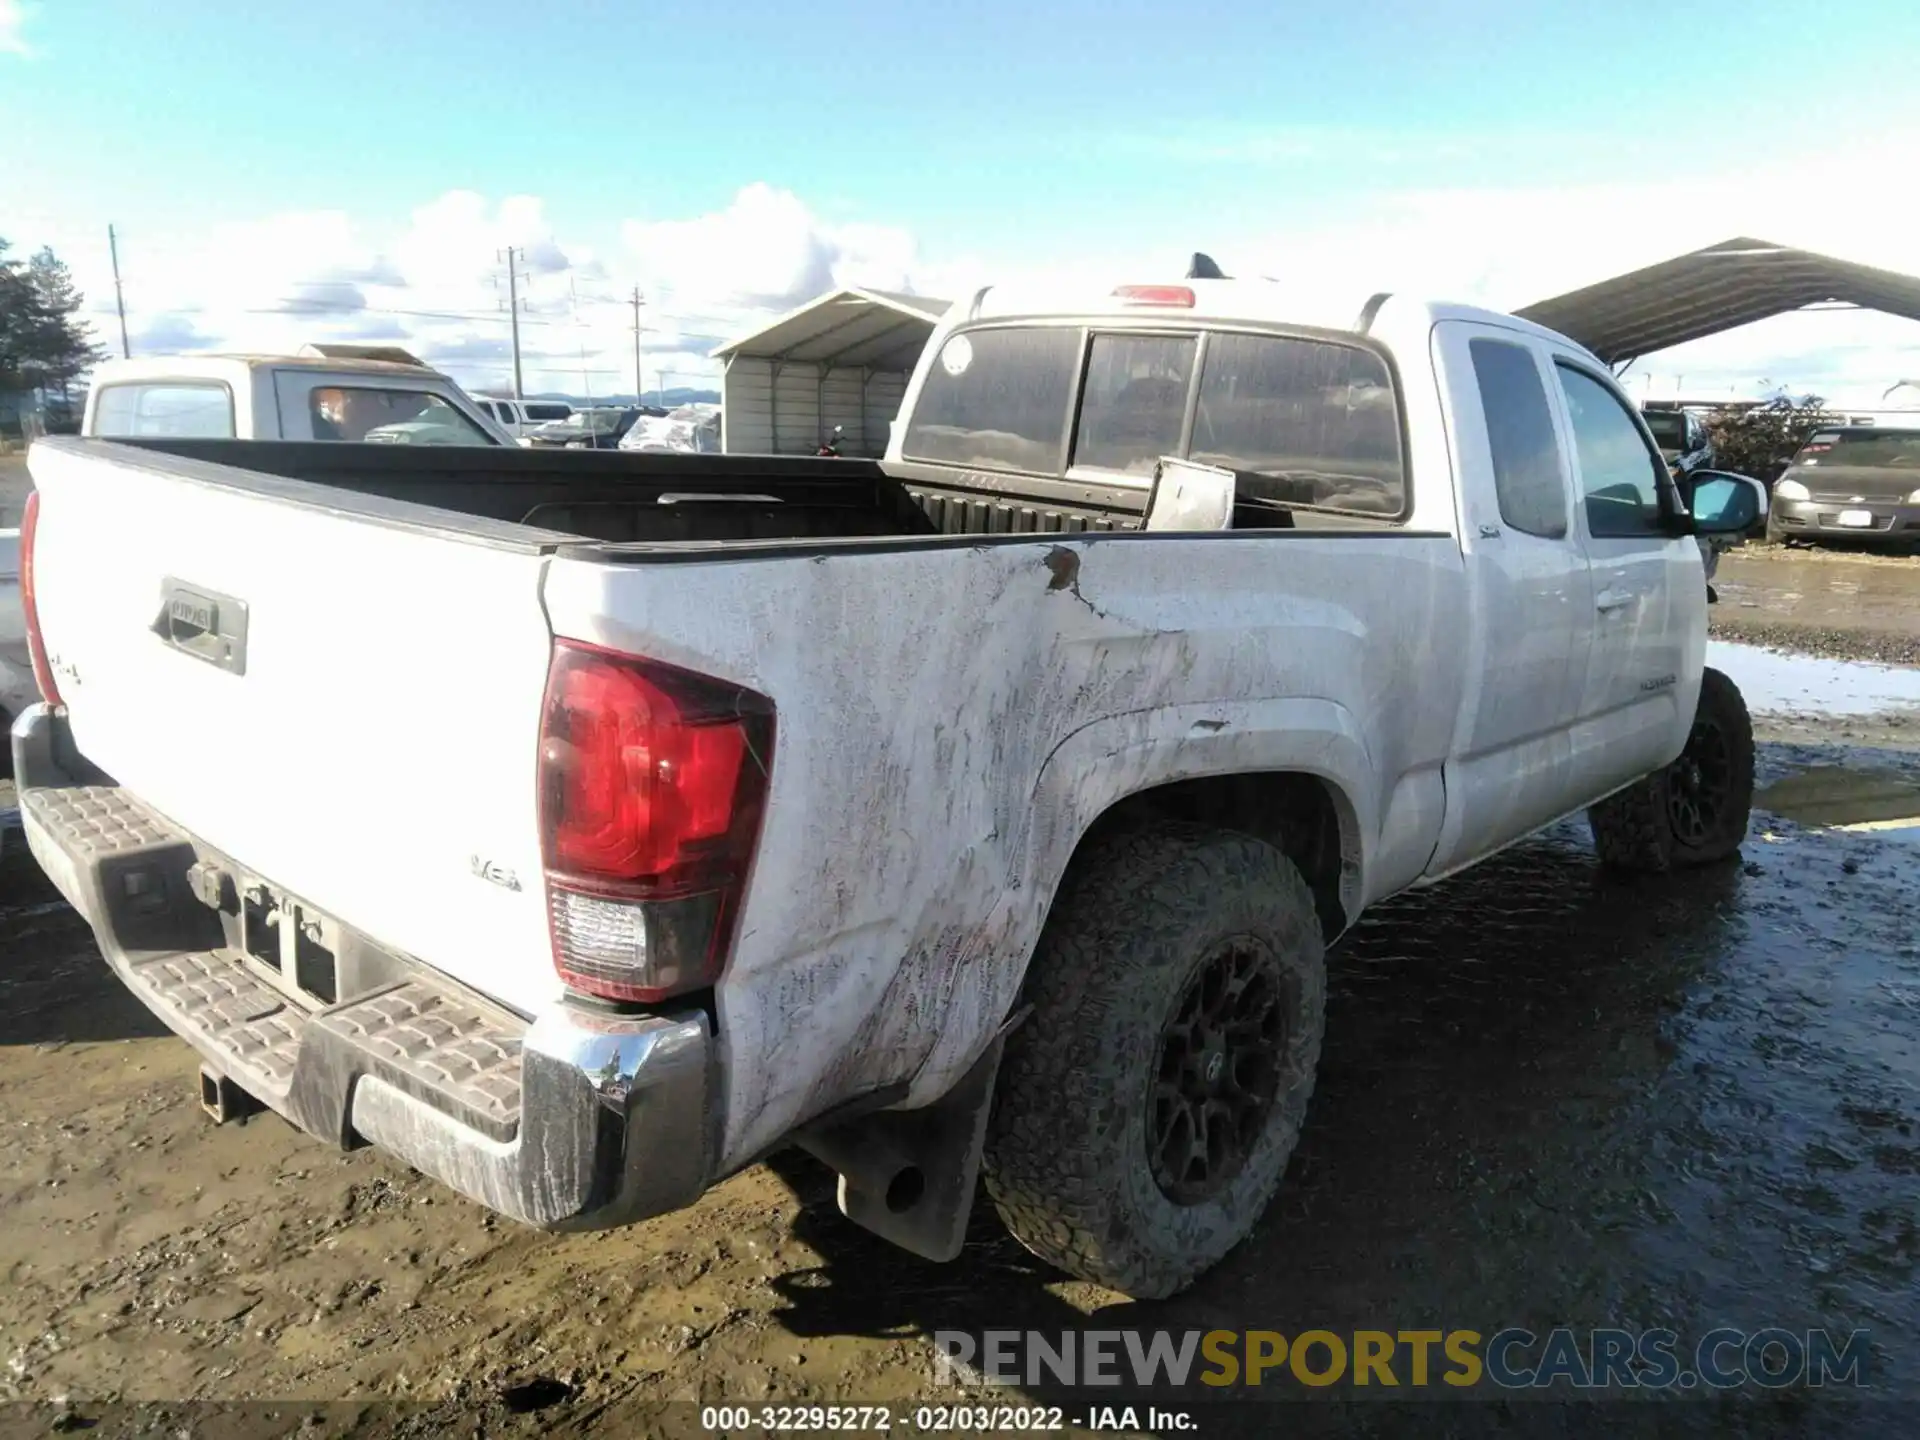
[{"x": 1203, "y": 268}]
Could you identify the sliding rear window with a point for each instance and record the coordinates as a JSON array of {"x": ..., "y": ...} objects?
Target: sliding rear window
[{"x": 1305, "y": 422}]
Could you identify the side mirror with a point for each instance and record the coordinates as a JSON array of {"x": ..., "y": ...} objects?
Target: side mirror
[{"x": 1723, "y": 503}]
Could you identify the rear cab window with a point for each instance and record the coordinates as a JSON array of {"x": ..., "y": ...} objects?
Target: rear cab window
[
  {"x": 382, "y": 415},
  {"x": 1305, "y": 423},
  {"x": 997, "y": 399},
  {"x": 1528, "y": 478},
  {"x": 1669, "y": 428},
  {"x": 169, "y": 409}
]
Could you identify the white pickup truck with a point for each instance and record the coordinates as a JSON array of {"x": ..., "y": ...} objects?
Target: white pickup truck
[
  {"x": 309, "y": 396},
  {"x": 579, "y": 828}
]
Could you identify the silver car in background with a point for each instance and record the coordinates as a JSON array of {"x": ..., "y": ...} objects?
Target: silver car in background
[{"x": 1850, "y": 483}]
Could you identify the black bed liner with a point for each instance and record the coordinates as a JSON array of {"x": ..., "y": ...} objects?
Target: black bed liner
[{"x": 623, "y": 497}]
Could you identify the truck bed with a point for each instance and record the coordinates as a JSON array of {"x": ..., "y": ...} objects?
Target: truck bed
[
  {"x": 622, "y": 497},
  {"x": 614, "y": 497}
]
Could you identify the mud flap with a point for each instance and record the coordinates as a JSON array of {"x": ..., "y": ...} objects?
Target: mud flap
[{"x": 910, "y": 1176}]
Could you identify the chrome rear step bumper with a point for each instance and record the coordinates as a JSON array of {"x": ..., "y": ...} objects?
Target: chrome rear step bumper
[{"x": 577, "y": 1120}]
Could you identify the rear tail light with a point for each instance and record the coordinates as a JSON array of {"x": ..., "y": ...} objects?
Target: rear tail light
[
  {"x": 29, "y": 602},
  {"x": 1175, "y": 295},
  {"x": 652, "y": 784}
]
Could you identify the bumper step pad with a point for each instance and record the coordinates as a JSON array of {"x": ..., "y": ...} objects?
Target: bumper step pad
[{"x": 423, "y": 1036}]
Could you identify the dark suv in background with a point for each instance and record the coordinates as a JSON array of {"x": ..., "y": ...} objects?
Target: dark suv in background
[
  {"x": 1682, "y": 437},
  {"x": 1851, "y": 483}
]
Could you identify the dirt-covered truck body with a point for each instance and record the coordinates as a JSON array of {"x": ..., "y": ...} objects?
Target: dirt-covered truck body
[{"x": 580, "y": 828}]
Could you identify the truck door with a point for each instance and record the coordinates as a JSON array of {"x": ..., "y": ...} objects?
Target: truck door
[
  {"x": 1649, "y": 589},
  {"x": 1530, "y": 595}
]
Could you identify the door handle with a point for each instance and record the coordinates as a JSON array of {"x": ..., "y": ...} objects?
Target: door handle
[{"x": 1607, "y": 601}]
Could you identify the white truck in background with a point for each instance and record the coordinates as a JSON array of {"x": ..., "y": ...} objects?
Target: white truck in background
[
  {"x": 284, "y": 397},
  {"x": 520, "y": 418},
  {"x": 568, "y": 825},
  {"x": 371, "y": 394}
]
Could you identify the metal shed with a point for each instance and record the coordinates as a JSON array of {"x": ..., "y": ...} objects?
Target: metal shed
[
  {"x": 1719, "y": 288},
  {"x": 841, "y": 360}
]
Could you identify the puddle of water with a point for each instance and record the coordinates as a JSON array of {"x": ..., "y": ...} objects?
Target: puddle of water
[
  {"x": 1808, "y": 685},
  {"x": 1905, "y": 832},
  {"x": 1844, "y": 797}
]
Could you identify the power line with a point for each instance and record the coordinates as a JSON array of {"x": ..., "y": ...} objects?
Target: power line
[{"x": 693, "y": 338}]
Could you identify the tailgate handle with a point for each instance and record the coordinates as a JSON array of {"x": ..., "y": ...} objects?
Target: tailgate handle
[{"x": 204, "y": 625}]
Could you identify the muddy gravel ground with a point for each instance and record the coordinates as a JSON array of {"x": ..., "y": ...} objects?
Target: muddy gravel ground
[
  {"x": 1547, "y": 1099},
  {"x": 1848, "y": 603}
]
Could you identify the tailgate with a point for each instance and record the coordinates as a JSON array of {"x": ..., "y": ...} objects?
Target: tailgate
[{"x": 348, "y": 707}]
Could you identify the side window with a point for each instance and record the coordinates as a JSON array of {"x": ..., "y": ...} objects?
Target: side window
[
  {"x": 1620, "y": 478},
  {"x": 1526, "y": 457},
  {"x": 1134, "y": 403},
  {"x": 997, "y": 399},
  {"x": 176, "y": 411},
  {"x": 389, "y": 417},
  {"x": 1302, "y": 422}
]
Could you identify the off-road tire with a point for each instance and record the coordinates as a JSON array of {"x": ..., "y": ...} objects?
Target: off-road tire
[
  {"x": 1635, "y": 831},
  {"x": 1067, "y": 1162}
]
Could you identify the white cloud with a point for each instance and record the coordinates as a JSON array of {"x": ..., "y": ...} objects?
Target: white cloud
[
  {"x": 436, "y": 282},
  {"x": 13, "y": 23},
  {"x": 433, "y": 279},
  {"x": 766, "y": 251}
]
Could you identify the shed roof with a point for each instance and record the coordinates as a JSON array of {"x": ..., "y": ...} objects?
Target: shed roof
[
  {"x": 1719, "y": 288},
  {"x": 851, "y": 327}
]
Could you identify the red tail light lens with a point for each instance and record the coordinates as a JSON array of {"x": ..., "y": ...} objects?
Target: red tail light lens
[
  {"x": 1175, "y": 295},
  {"x": 652, "y": 784},
  {"x": 29, "y": 604}
]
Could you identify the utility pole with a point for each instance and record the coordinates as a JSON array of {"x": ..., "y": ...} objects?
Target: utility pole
[
  {"x": 119, "y": 300},
  {"x": 513, "y": 313},
  {"x": 639, "y": 395}
]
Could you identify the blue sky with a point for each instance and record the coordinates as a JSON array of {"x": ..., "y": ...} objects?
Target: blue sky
[{"x": 1476, "y": 147}]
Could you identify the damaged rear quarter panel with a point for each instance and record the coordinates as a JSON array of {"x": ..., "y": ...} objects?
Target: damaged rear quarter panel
[{"x": 916, "y": 828}]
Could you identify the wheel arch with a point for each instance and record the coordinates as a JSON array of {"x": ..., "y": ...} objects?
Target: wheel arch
[{"x": 1295, "y": 773}]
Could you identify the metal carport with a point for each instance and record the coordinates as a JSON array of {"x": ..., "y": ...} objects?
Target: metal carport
[
  {"x": 841, "y": 360},
  {"x": 1723, "y": 286}
]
